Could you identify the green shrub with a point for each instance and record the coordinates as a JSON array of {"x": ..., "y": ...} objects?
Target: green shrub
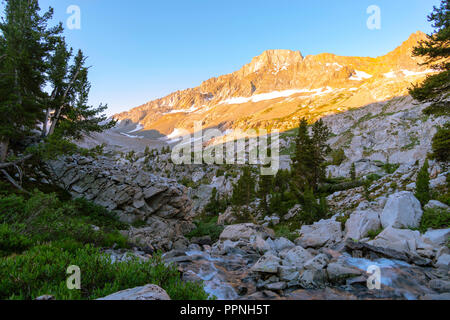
[
  {"x": 434, "y": 218},
  {"x": 441, "y": 143},
  {"x": 42, "y": 270},
  {"x": 206, "y": 226},
  {"x": 44, "y": 218},
  {"x": 423, "y": 185},
  {"x": 372, "y": 234},
  {"x": 11, "y": 241},
  {"x": 338, "y": 156},
  {"x": 283, "y": 230}
]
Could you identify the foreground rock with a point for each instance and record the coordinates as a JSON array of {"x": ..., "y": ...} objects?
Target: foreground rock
[{"x": 148, "y": 292}]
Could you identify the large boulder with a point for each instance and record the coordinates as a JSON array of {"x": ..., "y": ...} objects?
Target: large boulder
[
  {"x": 324, "y": 232},
  {"x": 402, "y": 240},
  {"x": 268, "y": 263},
  {"x": 148, "y": 292},
  {"x": 402, "y": 210},
  {"x": 296, "y": 257},
  {"x": 360, "y": 223},
  {"x": 437, "y": 237},
  {"x": 338, "y": 272},
  {"x": 245, "y": 231}
]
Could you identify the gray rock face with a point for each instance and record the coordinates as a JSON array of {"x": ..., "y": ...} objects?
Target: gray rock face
[
  {"x": 268, "y": 263},
  {"x": 443, "y": 261},
  {"x": 244, "y": 231},
  {"x": 434, "y": 204},
  {"x": 148, "y": 292},
  {"x": 337, "y": 272},
  {"x": 402, "y": 240},
  {"x": 296, "y": 257},
  {"x": 134, "y": 195},
  {"x": 360, "y": 223},
  {"x": 437, "y": 237},
  {"x": 324, "y": 232},
  {"x": 402, "y": 210}
]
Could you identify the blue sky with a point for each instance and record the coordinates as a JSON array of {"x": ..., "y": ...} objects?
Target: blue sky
[{"x": 144, "y": 49}]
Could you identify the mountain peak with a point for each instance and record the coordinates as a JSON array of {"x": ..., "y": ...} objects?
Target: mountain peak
[{"x": 278, "y": 58}]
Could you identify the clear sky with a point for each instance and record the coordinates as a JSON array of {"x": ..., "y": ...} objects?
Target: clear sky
[{"x": 145, "y": 49}]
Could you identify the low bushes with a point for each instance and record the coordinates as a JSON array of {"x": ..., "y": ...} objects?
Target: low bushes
[{"x": 42, "y": 270}]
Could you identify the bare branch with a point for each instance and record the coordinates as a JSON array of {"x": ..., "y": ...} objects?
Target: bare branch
[
  {"x": 12, "y": 181},
  {"x": 58, "y": 112},
  {"x": 14, "y": 163}
]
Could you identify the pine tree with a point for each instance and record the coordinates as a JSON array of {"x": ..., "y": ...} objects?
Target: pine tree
[
  {"x": 265, "y": 186},
  {"x": 26, "y": 42},
  {"x": 303, "y": 160},
  {"x": 244, "y": 190},
  {"x": 441, "y": 143},
  {"x": 423, "y": 185},
  {"x": 436, "y": 51},
  {"x": 320, "y": 135},
  {"x": 353, "y": 172}
]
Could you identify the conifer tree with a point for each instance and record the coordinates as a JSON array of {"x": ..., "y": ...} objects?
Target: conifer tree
[
  {"x": 320, "y": 135},
  {"x": 26, "y": 42},
  {"x": 423, "y": 185},
  {"x": 244, "y": 190},
  {"x": 353, "y": 172},
  {"x": 303, "y": 160},
  {"x": 436, "y": 51}
]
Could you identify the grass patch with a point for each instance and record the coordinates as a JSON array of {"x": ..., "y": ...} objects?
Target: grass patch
[
  {"x": 434, "y": 218},
  {"x": 206, "y": 226}
]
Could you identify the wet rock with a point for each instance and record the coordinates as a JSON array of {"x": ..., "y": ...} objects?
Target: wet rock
[
  {"x": 402, "y": 210},
  {"x": 148, "y": 292},
  {"x": 440, "y": 285},
  {"x": 338, "y": 272}
]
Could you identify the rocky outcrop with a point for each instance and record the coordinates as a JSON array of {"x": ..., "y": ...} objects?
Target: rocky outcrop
[{"x": 134, "y": 195}]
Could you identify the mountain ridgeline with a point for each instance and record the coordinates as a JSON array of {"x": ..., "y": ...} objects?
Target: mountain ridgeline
[{"x": 279, "y": 87}]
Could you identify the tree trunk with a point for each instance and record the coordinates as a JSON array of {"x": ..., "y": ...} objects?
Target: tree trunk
[
  {"x": 44, "y": 124},
  {"x": 4, "y": 145}
]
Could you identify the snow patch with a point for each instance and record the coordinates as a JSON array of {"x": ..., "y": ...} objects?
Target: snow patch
[
  {"x": 360, "y": 75},
  {"x": 276, "y": 94}
]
